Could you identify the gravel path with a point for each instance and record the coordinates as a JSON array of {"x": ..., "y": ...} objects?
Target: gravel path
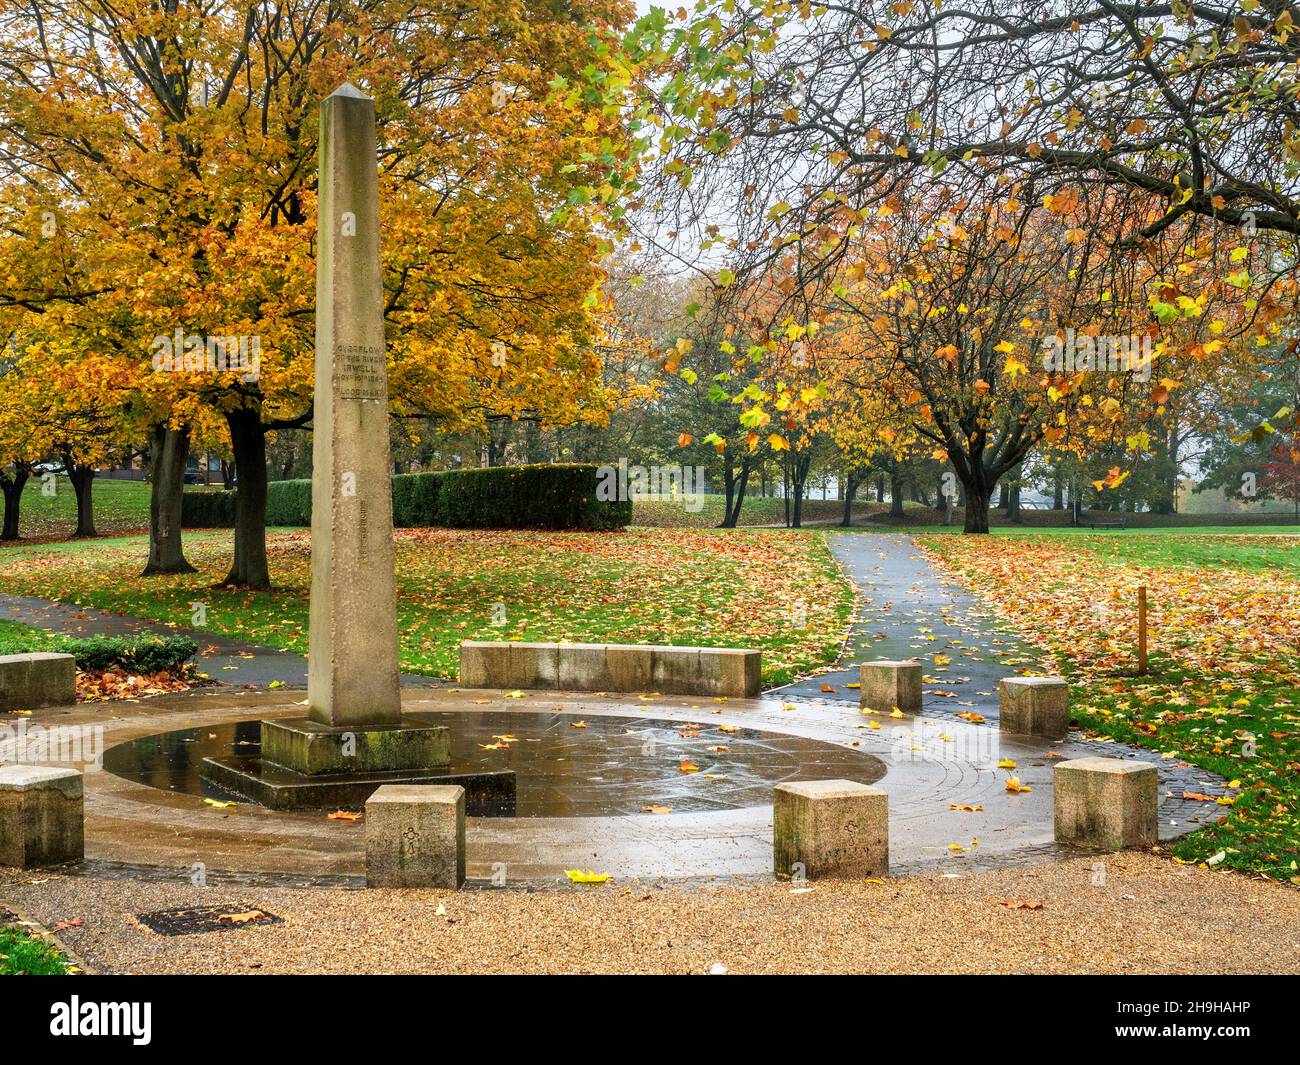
[{"x": 1149, "y": 915}]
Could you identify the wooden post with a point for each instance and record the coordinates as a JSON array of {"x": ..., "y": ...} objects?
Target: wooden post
[{"x": 1142, "y": 630}]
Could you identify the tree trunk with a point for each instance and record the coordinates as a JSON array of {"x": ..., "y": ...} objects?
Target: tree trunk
[
  {"x": 736, "y": 498},
  {"x": 248, "y": 440},
  {"x": 880, "y": 488},
  {"x": 1013, "y": 496},
  {"x": 729, "y": 486},
  {"x": 896, "y": 497},
  {"x": 850, "y": 490},
  {"x": 227, "y": 475},
  {"x": 83, "y": 479},
  {"x": 168, "y": 450},
  {"x": 977, "y": 509},
  {"x": 13, "y": 493},
  {"x": 799, "y": 479},
  {"x": 1058, "y": 491}
]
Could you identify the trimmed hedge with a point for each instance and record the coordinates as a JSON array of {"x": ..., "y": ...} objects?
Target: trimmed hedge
[
  {"x": 288, "y": 503},
  {"x": 545, "y": 496},
  {"x": 208, "y": 509},
  {"x": 548, "y": 496}
]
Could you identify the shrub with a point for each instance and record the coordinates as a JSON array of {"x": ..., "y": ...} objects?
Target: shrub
[
  {"x": 288, "y": 503},
  {"x": 550, "y": 496},
  {"x": 208, "y": 509},
  {"x": 415, "y": 500},
  {"x": 138, "y": 654},
  {"x": 547, "y": 496}
]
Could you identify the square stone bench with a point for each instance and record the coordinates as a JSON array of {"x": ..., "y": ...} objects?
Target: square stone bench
[
  {"x": 415, "y": 836},
  {"x": 886, "y": 685},
  {"x": 1034, "y": 706},
  {"x": 716, "y": 671},
  {"x": 42, "y": 816},
  {"x": 830, "y": 828},
  {"x": 1105, "y": 803},
  {"x": 30, "y": 681}
]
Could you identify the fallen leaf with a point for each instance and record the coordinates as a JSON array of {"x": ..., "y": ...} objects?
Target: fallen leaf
[{"x": 242, "y": 918}]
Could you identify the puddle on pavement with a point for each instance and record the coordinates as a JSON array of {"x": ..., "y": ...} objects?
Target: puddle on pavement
[{"x": 613, "y": 766}]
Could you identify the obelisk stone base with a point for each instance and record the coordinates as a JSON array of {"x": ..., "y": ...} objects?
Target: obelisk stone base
[{"x": 306, "y": 746}]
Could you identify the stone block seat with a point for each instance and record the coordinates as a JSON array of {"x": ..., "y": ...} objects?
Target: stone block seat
[
  {"x": 42, "y": 816},
  {"x": 1034, "y": 706},
  {"x": 29, "y": 681},
  {"x": 830, "y": 828},
  {"x": 888, "y": 685},
  {"x": 714, "y": 671},
  {"x": 415, "y": 836},
  {"x": 1105, "y": 803}
]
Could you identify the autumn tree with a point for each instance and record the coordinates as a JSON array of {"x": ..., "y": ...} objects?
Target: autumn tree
[{"x": 172, "y": 148}]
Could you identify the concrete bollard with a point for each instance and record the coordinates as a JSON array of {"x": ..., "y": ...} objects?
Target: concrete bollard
[
  {"x": 42, "y": 816},
  {"x": 1034, "y": 706},
  {"x": 830, "y": 828},
  {"x": 415, "y": 836},
  {"x": 1105, "y": 803},
  {"x": 886, "y": 685}
]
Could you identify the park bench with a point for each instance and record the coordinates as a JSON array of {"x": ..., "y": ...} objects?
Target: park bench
[{"x": 1119, "y": 523}]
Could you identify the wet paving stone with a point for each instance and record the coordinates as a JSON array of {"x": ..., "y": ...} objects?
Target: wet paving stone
[{"x": 610, "y": 766}]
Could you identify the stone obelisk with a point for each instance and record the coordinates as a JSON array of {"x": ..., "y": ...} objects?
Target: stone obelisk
[
  {"x": 352, "y": 661},
  {"x": 354, "y": 724}
]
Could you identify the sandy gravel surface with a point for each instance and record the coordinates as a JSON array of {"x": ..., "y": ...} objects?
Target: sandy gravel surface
[{"x": 1150, "y": 915}]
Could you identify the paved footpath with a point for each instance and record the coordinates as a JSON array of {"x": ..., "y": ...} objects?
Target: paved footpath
[
  {"x": 907, "y": 609},
  {"x": 234, "y": 662}
]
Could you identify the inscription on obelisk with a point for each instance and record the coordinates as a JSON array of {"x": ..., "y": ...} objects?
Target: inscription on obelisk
[{"x": 352, "y": 661}]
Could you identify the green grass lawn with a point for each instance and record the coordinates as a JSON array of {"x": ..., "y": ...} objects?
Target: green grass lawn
[
  {"x": 25, "y": 955},
  {"x": 664, "y": 512},
  {"x": 1118, "y": 534},
  {"x": 1223, "y": 689},
  {"x": 120, "y": 507},
  {"x": 668, "y": 586},
  {"x": 16, "y": 639}
]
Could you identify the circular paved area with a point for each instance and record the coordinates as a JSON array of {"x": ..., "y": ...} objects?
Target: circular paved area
[
  {"x": 932, "y": 762},
  {"x": 929, "y": 765}
]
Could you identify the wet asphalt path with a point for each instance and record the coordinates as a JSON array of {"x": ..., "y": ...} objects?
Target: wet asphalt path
[
  {"x": 908, "y": 609},
  {"x": 235, "y": 662}
]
